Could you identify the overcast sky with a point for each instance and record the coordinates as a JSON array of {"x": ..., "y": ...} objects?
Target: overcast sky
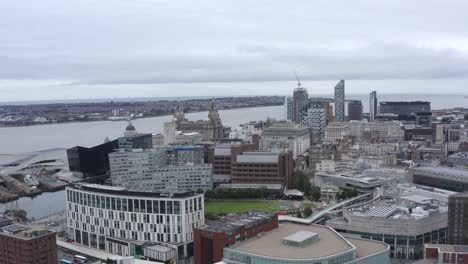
[{"x": 83, "y": 48}]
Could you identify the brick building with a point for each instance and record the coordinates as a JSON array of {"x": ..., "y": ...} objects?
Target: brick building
[
  {"x": 244, "y": 164},
  {"x": 210, "y": 239},
  {"x": 441, "y": 254},
  {"x": 27, "y": 245}
]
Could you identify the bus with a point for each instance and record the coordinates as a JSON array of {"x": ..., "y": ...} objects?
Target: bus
[
  {"x": 65, "y": 261},
  {"x": 80, "y": 259}
]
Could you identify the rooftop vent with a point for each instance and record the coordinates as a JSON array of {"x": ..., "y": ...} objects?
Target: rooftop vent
[{"x": 301, "y": 239}]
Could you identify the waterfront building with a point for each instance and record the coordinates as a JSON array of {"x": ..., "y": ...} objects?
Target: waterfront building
[
  {"x": 92, "y": 161},
  {"x": 282, "y": 135},
  {"x": 458, "y": 219},
  {"x": 130, "y": 130},
  {"x": 373, "y": 107},
  {"x": 169, "y": 133},
  {"x": 263, "y": 168},
  {"x": 192, "y": 138},
  {"x": 300, "y": 101},
  {"x": 337, "y": 131},
  {"x": 355, "y": 110},
  {"x": 296, "y": 243},
  {"x": 21, "y": 244},
  {"x": 404, "y": 108},
  {"x": 340, "y": 101},
  {"x": 125, "y": 222},
  {"x": 211, "y": 238},
  {"x": 211, "y": 129},
  {"x": 135, "y": 141},
  {"x": 447, "y": 178},
  {"x": 404, "y": 216},
  {"x": 160, "y": 169},
  {"x": 289, "y": 108}
]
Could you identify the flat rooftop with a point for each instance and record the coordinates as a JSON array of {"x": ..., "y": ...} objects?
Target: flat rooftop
[
  {"x": 270, "y": 243},
  {"x": 443, "y": 171},
  {"x": 365, "y": 247},
  {"x": 23, "y": 231},
  {"x": 230, "y": 222}
]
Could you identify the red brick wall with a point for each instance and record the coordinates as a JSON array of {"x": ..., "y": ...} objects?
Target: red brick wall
[{"x": 40, "y": 250}]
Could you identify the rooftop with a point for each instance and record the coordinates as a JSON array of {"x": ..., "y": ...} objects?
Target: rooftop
[
  {"x": 230, "y": 222},
  {"x": 270, "y": 243},
  {"x": 23, "y": 231},
  {"x": 443, "y": 171},
  {"x": 264, "y": 157}
]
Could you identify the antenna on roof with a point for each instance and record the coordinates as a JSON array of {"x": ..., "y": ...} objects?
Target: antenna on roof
[{"x": 299, "y": 85}]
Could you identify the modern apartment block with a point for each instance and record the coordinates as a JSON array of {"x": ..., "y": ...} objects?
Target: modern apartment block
[
  {"x": 355, "y": 110},
  {"x": 152, "y": 169},
  {"x": 211, "y": 238},
  {"x": 124, "y": 222},
  {"x": 289, "y": 108},
  {"x": 315, "y": 119},
  {"x": 20, "y": 244},
  {"x": 300, "y": 101}
]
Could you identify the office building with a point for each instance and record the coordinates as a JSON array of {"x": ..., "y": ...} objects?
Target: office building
[
  {"x": 289, "y": 108},
  {"x": 295, "y": 243},
  {"x": 124, "y": 222},
  {"x": 282, "y": 135},
  {"x": 300, "y": 101},
  {"x": 379, "y": 131},
  {"x": 337, "y": 131},
  {"x": 373, "y": 107},
  {"x": 404, "y": 216},
  {"x": 458, "y": 219},
  {"x": 211, "y": 238},
  {"x": 262, "y": 167},
  {"x": 340, "y": 101},
  {"x": 221, "y": 156},
  {"x": 424, "y": 120},
  {"x": 447, "y": 178},
  {"x": 136, "y": 141},
  {"x": 20, "y": 244},
  {"x": 355, "y": 110},
  {"x": 154, "y": 170},
  {"x": 404, "y": 108},
  {"x": 211, "y": 129}
]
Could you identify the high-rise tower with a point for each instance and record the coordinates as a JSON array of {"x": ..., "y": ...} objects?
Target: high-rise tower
[
  {"x": 300, "y": 101},
  {"x": 373, "y": 105},
  {"x": 340, "y": 101}
]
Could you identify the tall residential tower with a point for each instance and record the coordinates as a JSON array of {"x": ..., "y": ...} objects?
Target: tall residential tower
[
  {"x": 340, "y": 101},
  {"x": 372, "y": 105}
]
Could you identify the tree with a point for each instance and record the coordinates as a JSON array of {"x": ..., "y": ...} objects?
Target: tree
[
  {"x": 299, "y": 215},
  {"x": 301, "y": 181},
  {"x": 307, "y": 211},
  {"x": 315, "y": 193},
  {"x": 200, "y": 191},
  {"x": 20, "y": 213}
]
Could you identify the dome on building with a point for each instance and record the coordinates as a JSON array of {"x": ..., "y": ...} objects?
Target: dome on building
[{"x": 130, "y": 127}]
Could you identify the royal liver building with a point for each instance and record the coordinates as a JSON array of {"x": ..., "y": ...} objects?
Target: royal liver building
[{"x": 211, "y": 129}]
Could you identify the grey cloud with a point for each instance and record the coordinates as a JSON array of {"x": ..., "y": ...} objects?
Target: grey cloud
[{"x": 142, "y": 41}]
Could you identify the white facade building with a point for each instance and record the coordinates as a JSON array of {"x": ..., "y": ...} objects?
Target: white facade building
[
  {"x": 316, "y": 121},
  {"x": 117, "y": 221},
  {"x": 282, "y": 135},
  {"x": 336, "y": 131},
  {"x": 289, "y": 108}
]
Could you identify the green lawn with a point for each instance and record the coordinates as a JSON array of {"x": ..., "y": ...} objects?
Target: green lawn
[{"x": 229, "y": 207}]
